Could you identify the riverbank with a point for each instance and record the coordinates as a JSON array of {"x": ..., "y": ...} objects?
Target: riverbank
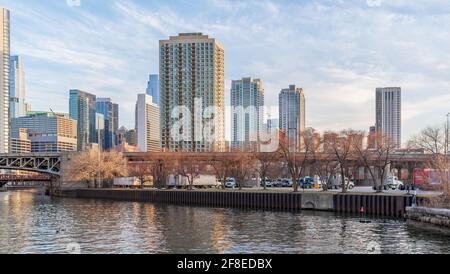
[
  {"x": 373, "y": 204},
  {"x": 435, "y": 216}
]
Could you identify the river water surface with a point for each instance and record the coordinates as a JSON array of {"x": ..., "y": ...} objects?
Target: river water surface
[{"x": 33, "y": 223}]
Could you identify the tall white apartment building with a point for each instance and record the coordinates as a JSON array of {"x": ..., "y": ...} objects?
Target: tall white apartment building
[
  {"x": 389, "y": 113},
  {"x": 247, "y": 103},
  {"x": 147, "y": 124},
  {"x": 4, "y": 79},
  {"x": 192, "y": 93}
]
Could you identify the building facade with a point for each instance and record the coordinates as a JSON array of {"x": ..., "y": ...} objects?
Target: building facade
[
  {"x": 272, "y": 125},
  {"x": 292, "y": 111},
  {"x": 147, "y": 124},
  {"x": 82, "y": 107},
  {"x": 247, "y": 103},
  {"x": 4, "y": 79},
  {"x": 17, "y": 105},
  {"x": 110, "y": 113},
  {"x": 153, "y": 87},
  {"x": 192, "y": 91},
  {"x": 47, "y": 131},
  {"x": 20, "y": 143},
  {"x": 389, "y": 113},
  {"x": 100, "y": 130}
]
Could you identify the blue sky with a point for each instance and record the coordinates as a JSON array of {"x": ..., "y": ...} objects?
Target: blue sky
[{"x": 338, "y": 51}]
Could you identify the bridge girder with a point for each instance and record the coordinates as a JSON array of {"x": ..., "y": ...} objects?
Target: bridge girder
[{"x": 49, "y": 163}]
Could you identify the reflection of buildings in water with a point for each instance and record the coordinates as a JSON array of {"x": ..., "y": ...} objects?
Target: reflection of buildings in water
[
  {"x": 189, "y": 229},
  {"x": 220, "y": 229},
  {"x": 16, "y": 208},
  {"x": 148, "y": 223}
]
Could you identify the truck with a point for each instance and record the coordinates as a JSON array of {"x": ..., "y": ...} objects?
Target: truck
[
  {"x": 126, "y": 182},
  {"x": 202, "y": 181}
]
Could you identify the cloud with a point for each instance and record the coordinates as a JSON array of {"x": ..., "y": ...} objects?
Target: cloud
[{"x": 338, "y": 51}]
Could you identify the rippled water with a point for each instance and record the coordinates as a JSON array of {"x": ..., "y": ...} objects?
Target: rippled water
[{"x": 33, "y": 223}]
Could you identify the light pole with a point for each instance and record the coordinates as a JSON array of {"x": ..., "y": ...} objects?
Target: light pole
[
  {"x": 446, "y": 148},
  {"x": 447, "y": 133}
]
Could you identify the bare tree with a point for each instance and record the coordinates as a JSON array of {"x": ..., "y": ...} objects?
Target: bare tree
[
  {"x": 342, "y": 146},
  {"x": 241, "y": 165},
  {"x": 160, "y": 169},
  {"x": 431, "y": 139},
  {"x": 265, "y": 161},
  {"x": 221, "y": 168},
  {"x": 93, "y": 166},
  {"x": 324, "y": 164},
  {"x": 189, "y": 169},
  {"x": 377, "y": 158},
  {"x": 141, "y": 171},
  {"x": 295, "y": 151}
]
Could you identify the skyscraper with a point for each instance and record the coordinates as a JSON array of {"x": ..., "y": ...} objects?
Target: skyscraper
[
  {"x": 247, "y": 102},
  {"x": 4, "y": 80},
  {"x": 292, "y": 111},
  {"x": 147, "y": 124},
  {"x": 192, "y": 93},
  {"x": 115, "y": 120},
  {"x": 389, "y": 113},
  {"x": 153, "y": 87},
  {"x": 110, "y": 113},
  {"x": 100, "y": 130},
  {"x": 17, "y": 106},
  {"x": 82, "y": 107}
]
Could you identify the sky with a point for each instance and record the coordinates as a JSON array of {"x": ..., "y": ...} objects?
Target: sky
[{"x": 338, "y": 51}]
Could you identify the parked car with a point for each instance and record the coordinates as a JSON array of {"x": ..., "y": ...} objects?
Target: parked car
[
  {"x": 286, "y": 183},
  {"x": 350, "y": 184},
  {"x": 306, "y": 182},
  {"x": 277, "y": 183},
  {"x": 394, "y": 183},
  {"x": 231, "y": 183},
  {"x": 269, "y": 183},
  {"x": 336, "y": 183}
]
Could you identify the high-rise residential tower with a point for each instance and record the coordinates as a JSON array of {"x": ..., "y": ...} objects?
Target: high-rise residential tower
[
  {"x": 17, "y": 105},
  {"x": 247, "y": 103},
  {"x": 147, "y": 124},
  {"x": 389, "y": 113},
  {"x": 4, "y": 79},
  {"x": 192, "y": 91},
  {"x": 292, "y": 111},
  {"x": 82, "y": 106},
  {"x": 110, "y": 113},
  {"x": 153, "y": 87},
  {"x": 115, "y": 120}
]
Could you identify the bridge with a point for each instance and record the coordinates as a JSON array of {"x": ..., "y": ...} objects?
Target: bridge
[
  {"x": 24, "y": 180},
  {"x": 46, "y": 163}
]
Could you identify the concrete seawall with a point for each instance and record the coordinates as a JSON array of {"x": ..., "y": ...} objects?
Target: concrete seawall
[
  {"x": 435, "y": 216},
  {"x": 381, "y": 205}
]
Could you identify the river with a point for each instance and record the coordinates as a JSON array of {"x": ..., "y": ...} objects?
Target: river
[{"x": 33, "y": 223}]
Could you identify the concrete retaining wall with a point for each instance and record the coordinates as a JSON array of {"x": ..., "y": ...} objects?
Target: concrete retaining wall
[
  {"x": 374, "y": 204},
  {"x": 435, "y": 216}
]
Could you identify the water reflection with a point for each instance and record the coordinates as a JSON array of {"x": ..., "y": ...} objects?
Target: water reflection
[{"x": 33, "y": 223}]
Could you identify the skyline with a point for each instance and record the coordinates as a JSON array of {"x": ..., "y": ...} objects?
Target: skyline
[{"x": 338, "y": 62}]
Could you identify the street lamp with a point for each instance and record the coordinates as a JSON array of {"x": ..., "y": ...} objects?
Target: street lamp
[
  {"x": 447, "y": 134},
  {"x": 446, "y": 147}
]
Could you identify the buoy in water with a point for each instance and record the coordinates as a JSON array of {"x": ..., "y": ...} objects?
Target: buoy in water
[{"x": 362, "y": 211}]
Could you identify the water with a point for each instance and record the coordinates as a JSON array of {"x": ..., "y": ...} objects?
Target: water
[{"x": 33, "y": 223}]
